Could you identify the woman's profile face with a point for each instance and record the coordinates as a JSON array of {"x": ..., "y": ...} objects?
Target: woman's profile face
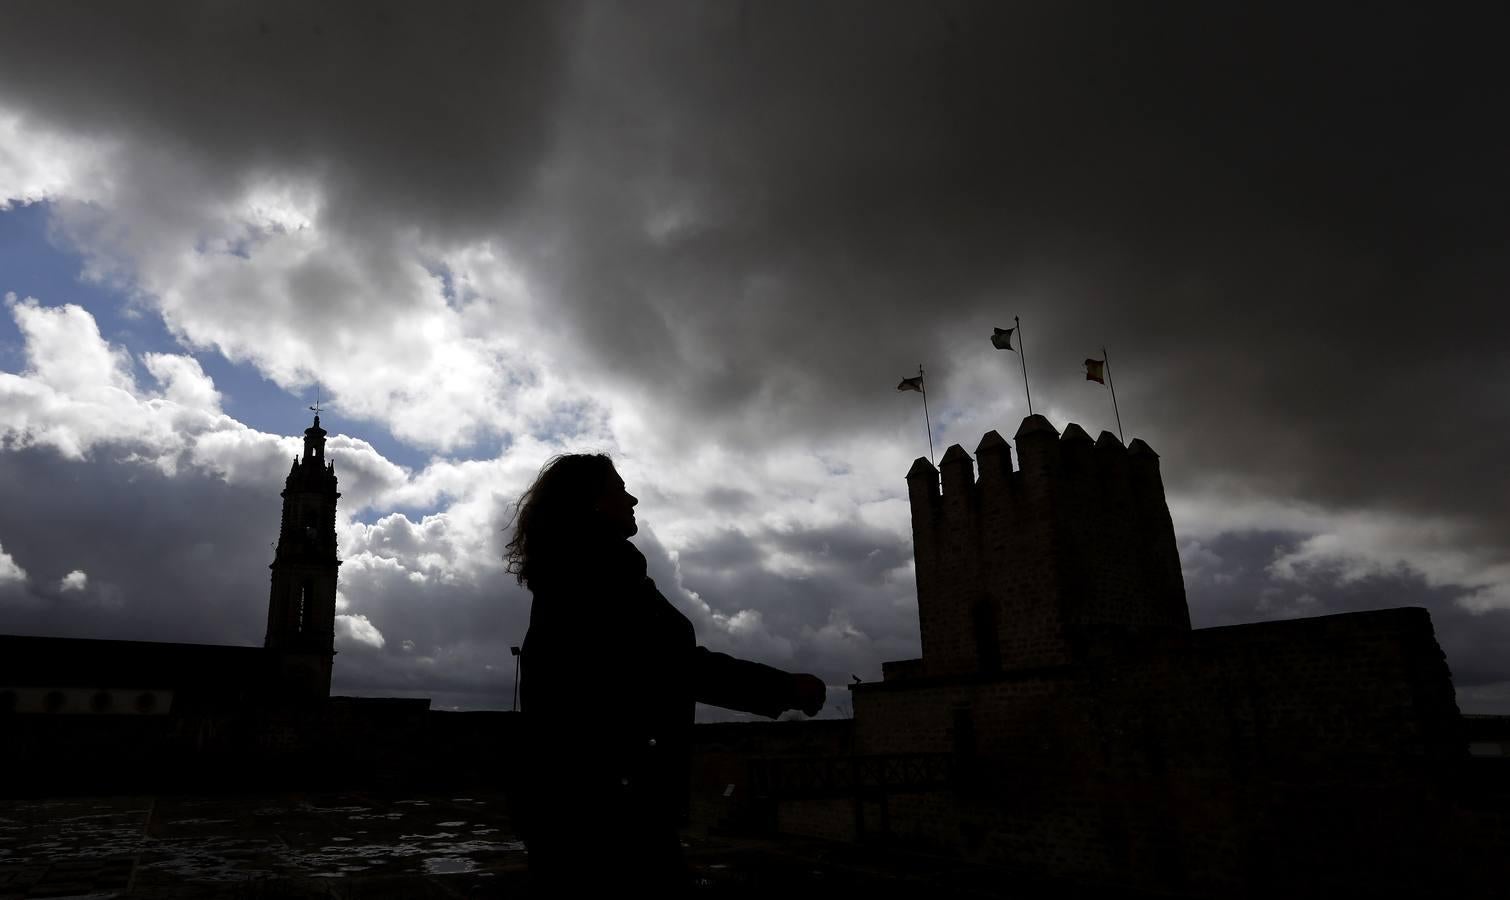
[{"x": 616, "y": 506}]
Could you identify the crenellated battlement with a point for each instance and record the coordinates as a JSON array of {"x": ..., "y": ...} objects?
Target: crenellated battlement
[
  {"x": 1044, "y": 455},
  {"x": 1026, "y": 566}
]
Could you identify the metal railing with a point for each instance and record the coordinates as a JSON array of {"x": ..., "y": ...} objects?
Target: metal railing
[{"x": 790, "y": 778}]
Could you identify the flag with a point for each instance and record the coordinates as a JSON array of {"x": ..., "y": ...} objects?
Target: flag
[
  {"x": 1001, "y": 338},
  {"x": 1095, "y": 370},
  {"x": 915, "y": 383}
]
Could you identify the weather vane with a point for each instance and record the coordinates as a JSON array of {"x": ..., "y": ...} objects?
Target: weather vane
[{"x": 317, "y": 407}]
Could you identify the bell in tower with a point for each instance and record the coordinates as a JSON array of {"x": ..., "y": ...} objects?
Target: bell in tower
[{"x": 302, "y": 606}]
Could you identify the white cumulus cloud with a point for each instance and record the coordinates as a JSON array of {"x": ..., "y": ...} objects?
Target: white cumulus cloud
[
  {"x": 38, "y": 164},
  {"x": 10, "y": 571},
  {"x": 357, "y": 629},
  {"x": 78, "y": 390}
]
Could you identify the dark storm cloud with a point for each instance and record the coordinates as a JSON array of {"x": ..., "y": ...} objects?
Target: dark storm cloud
[
  {"x": 180, "y": 558},
  {"x": 1283, "y": 220},
  {"x": 440, "y": 618},
  {"x": 841, "y": 585},
  {"x": 729, "y": 550},
  {"x": 1226, "y": 578},
  {"x": 865, "y": 554},
  {"x": 730, "y": 500},
  {"x": 469, "y": 675},
  {"x": 409, "y": 117},
  {"x": 1231, "y": 584},
  {"x": 1279, "y": 220}
]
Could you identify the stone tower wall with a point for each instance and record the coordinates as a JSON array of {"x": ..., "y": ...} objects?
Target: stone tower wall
[
  {"x": 1026, "y": 568},
  {"x": 302, "y": 596}
]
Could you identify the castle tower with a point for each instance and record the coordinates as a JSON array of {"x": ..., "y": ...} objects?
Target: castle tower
[
  {"x": 302, "y": 606},
  {"x": 1034, "y": 567}
]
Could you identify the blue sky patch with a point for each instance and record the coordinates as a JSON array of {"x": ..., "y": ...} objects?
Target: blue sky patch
[{"x": 34, "y": 262}]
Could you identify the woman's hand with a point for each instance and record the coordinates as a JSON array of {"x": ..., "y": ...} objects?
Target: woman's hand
[{"x": 808, "y": 694}]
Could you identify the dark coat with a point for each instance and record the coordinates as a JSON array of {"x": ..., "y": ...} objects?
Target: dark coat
[{"x": 610, "y": 674}]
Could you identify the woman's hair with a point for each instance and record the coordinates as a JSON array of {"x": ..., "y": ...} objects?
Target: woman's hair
[{"x": 555, "y": 513}]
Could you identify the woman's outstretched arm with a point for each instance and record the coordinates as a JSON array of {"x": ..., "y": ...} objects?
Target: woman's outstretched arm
[{"x": 722, "y": 680}]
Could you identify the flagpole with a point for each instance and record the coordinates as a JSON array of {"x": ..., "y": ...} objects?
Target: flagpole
[
  {"x": 1022, "y": 353},
  {"x": 518, "y": 658},
  {"x": 1109, "y": 383},
  {"x": 926, "y": 422}
]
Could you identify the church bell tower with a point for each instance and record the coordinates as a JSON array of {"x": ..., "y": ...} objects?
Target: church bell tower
[{"x": 302, "y": 607}]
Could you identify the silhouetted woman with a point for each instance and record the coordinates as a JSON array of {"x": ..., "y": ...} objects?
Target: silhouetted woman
[{"x": 610, "y": 675}]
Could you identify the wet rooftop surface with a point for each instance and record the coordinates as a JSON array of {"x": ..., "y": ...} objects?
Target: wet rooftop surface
[{"x": 351, "y": 845}]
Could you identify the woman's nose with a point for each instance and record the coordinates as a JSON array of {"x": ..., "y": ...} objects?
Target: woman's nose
[{"x": 633, "y": 500}]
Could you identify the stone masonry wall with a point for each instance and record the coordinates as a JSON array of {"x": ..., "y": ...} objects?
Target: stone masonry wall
[
  {"x": 1194, "y": 762},
  {"x": 1026, "y": 749}
]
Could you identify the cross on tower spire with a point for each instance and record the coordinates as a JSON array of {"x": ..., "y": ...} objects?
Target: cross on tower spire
[{"x": 317, "y": 407}]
